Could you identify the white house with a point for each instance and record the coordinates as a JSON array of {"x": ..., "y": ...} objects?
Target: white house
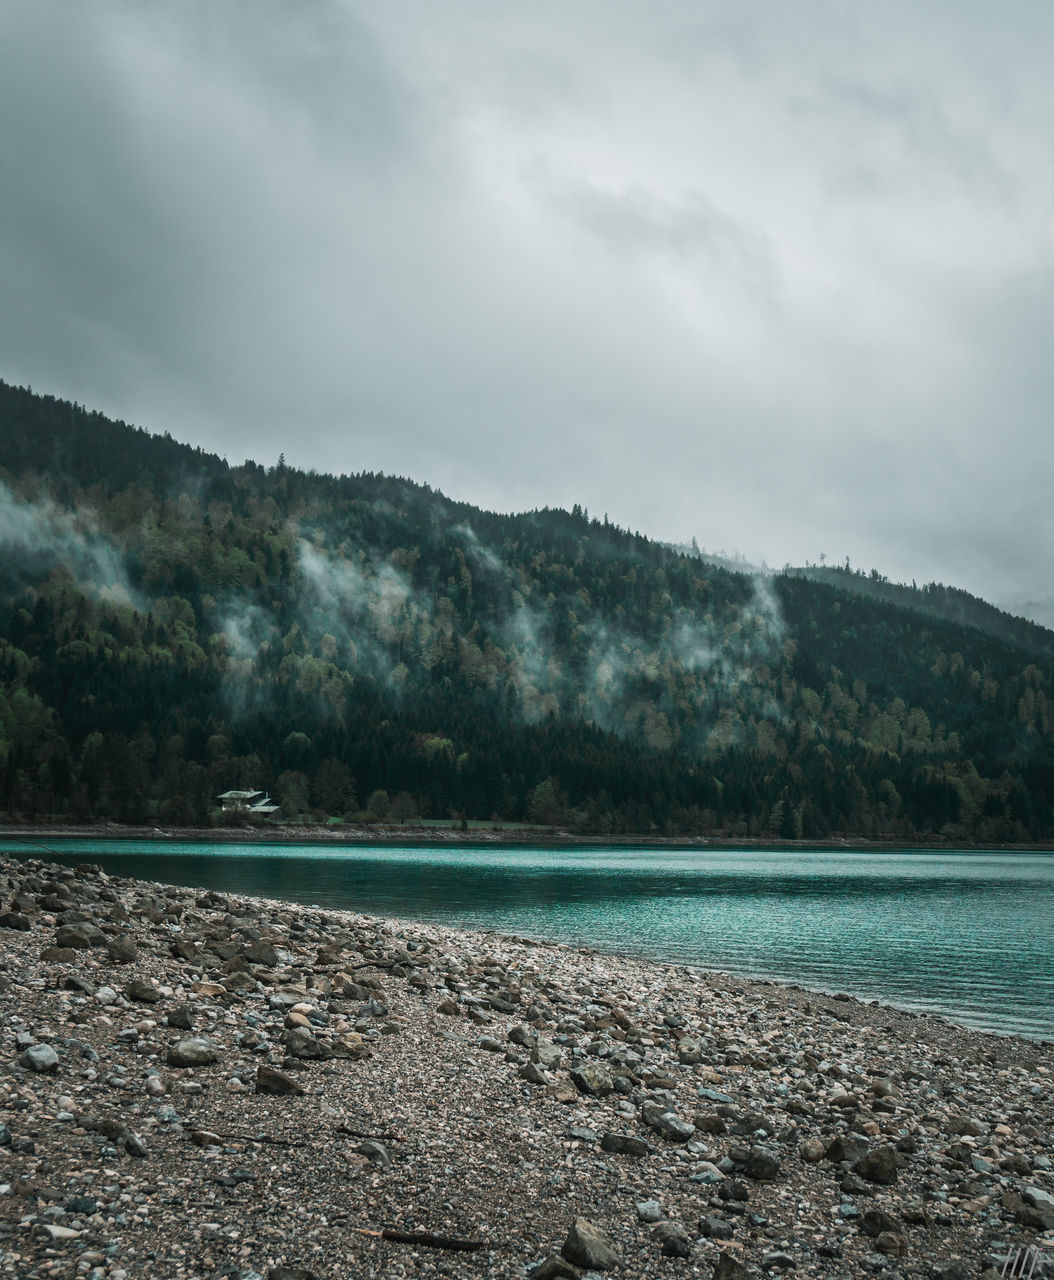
[{"x": 258, "y": 803}]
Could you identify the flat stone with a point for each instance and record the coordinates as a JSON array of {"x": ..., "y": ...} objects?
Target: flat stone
[
  {"x": 272, "y": 1081},
  {"x": 376, "y": 1152},
  {"x": 194, "y": 1051},
  {"x": 553, "y": 1267},
  {"x": 587, "y": 1246},
  {"x": 142, "y": 991},
  {"x": 625, "y": 1144},
  {"x": 78, "y": 937},
  {"x": 728, "y": 1267}
]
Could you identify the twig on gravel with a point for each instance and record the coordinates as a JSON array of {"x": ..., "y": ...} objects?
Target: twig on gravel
[
  {"x": 349, "y": 1132},
  {"x": 253, "y": 1137},
  {"x": 425, "y": 1238}
]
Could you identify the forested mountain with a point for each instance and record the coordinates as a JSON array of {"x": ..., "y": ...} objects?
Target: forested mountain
[
  {"x": 172, "y": 626},
  {"x": 951, "y": 604}
]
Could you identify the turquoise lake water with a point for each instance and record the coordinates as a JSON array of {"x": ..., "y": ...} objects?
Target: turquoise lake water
[{"x": 966, "y": 934}]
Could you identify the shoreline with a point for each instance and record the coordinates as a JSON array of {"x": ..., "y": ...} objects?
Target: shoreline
[
  {"x": 429, "y": 836},
  {"x": 363, "y": 1073},
  {"x": 950, "y": 1017}
]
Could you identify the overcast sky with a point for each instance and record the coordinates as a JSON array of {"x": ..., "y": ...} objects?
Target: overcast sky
[{"x": 776, "y": 275}]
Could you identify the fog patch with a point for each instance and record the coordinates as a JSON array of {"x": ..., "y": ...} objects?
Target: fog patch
[{"x": 39, "y": 530}]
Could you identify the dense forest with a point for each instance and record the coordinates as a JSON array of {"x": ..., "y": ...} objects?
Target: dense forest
[{"x": 172, "y": 626}]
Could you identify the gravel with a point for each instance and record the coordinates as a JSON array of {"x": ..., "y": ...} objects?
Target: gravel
[{"x": 305, "y": 1080}]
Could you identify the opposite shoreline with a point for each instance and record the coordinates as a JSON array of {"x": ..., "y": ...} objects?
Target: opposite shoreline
[{"x": 425, "y": 836}]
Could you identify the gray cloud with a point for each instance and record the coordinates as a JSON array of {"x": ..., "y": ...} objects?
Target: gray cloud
[{"x": 774, "y": 276}]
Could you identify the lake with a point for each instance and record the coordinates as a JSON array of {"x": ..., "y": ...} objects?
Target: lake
[{"x": 967, "y": 934}]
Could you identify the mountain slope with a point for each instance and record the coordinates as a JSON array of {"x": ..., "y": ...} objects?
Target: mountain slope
[{"x": 172, "y": 626}]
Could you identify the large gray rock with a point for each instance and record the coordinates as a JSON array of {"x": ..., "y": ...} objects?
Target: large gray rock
[
  {"x": 669, "y": 1125},
  {"x": 40, "y": 1057},
  {"x": 592, "y": 1079},
  {"x": 588, "y": 1246},
  {"x": 625, "y": 1144},
  {"x": 261, "y": 952},
  {"x": 674, "y": 1239},
  {"x": 878, "y": 1166},
  {"x": 122, "y": 950},
  {"x": 546, "y": 1054},
  {"x": 848, "y": 1148},
  {"x": 762, "y": 1163},
  {"x": 300, "y": 1043},
  {"x": 193, "y": 1051},
  {"x": 79, "y": 937}
]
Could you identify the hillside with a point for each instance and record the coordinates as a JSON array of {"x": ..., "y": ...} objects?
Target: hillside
[
  {"x": 172, "y": 626},
  {"x": 950, "y": 604}
]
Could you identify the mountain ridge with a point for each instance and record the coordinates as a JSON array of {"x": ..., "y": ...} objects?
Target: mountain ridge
[{"x": 173, "y": 625}]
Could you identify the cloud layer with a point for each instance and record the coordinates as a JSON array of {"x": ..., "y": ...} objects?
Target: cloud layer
[{"x": 776, "y": 277}]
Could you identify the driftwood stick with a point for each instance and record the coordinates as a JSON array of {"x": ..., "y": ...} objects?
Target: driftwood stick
[
  {"x": 425, "y": 1238},
  {"x": 349, "y": 1132},
  {"x": 254, "y": 1137}
]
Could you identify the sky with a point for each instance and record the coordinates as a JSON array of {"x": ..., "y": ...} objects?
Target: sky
[{"x": 774, "y": 276}]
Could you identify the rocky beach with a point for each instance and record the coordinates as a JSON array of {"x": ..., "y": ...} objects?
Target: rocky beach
[{"x": 204, "y": 1085}]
